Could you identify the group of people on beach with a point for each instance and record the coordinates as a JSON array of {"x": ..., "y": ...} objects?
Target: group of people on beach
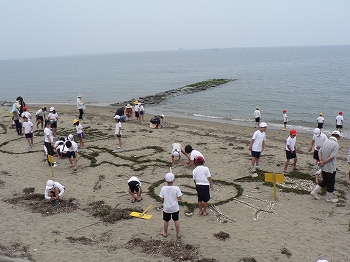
[{"x": 325, "y": 152}]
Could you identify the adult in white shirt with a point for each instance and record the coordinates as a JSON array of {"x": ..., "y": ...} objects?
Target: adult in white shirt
[
  {"x": 48, "y": 141},
  {"x": 80, "y": 106},
  {"x": 318, "y": 139}
]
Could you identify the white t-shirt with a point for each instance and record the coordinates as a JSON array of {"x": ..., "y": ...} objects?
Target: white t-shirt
[
  {"x": 194, "y": 154},
  {"x": 291, "y": 142},
  {"x": 48, "y": 135},
  {"x": 40, "y": 112},
  {"x": 73, "y": 148},
  {"x": 201, "y": 174},
  {"x": 28, "y": 127},
  {"x": 176, "y": 147},
  {"x": 320, "y": 119},
  {"x": 52, "y": 116},
  {"x": 257, "y": 113},
  {"x": 319, "y": 140},
  {"x": 170, "y": 195},
  {"x": 79, "y": 128},
  {"x": 118, "y": 128},
  {"x": 339, "y": 119},
  {"x": 259, "y": 138},
  {"x": 285, "y": 118}
]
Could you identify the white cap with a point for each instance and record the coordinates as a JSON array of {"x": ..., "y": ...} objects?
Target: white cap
[
  {"x": 52, "y": 109},
  {"x": 169, "y": 177},
  {"x": 317, "y": 131},
  {"x": 262, "y": 124},
  {"x": 336, "y": 132},
  {"x": 117, "y": 117},
  {"x": 162, "y": 116},
  {"x": 176, "y": 153},
  {"x": 49, "y": 184}
]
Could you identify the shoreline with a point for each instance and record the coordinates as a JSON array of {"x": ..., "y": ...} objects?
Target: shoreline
[{"x": 297, "y": 222}]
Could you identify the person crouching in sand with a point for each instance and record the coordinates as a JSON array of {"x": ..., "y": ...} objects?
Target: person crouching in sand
[
  {"x": 53, "y": 191},
  {"x": 202, "y": 180}
]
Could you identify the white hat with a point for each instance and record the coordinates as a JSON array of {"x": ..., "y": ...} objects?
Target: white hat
[
  {"x": 79, "y": 95},
  {"x": 49, "y": 184},
  {"x": 336, "y": 132},
  {"x": 70, "y": 137},
  {"x": 176, "y": 153},
  {"x": 117, "y": 117},
  {"x": 52, "y": 109},
  {"x": 262, "y": 124},
  {"x": 169, "y": 177},
  {"x": 317, "y": 131},
  {"x": 162, "y": 116}
]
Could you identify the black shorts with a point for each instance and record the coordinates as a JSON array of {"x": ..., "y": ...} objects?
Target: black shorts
[
  {"x": 316, "y": 155},
  {"x": 29, "y": 135},
  {"x": 168, "y": 216},
  {"x": 320, "y": 125},
  {"x": 339, "y": 126},
  {"x": 203, "y": 193},
  {"x": 290, "y": 154},
  {"x": 257, "y": 119},
  {"x": 256, "y": 154},
  {"x": 53, "y": 124},
  {"x": 137, "y": 114},
  {"x": 119, "y": 136},
  {"x": 134, "y": 186},
  {"x": 39, "y": 118},
  {"x": 71, "y": 154}
]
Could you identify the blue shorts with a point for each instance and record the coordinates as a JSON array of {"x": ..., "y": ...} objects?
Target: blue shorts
[
  {"x": 81, "y": 135},
  {"x": 256, "y": 154},
  {"x": 71, "y": 154},
  {"x": 290, "y": 154},
  {"x": 203, "y": 193}
]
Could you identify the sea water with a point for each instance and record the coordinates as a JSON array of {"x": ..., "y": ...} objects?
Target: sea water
[{"x": 303, "y": 80}]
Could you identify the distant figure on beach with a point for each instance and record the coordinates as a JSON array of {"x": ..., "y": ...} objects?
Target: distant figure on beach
[
  {"x": 54, "y": 191},
  {"x": 327, "y": 161},
  {"x": 136, "y": 110},
  {"x": 339, "y": 122},
  {"x": 53, "y": 118},
  {"x": 26, "y": 113},
  {"x": 320, "y": 121},
  {"x": 21, "y": 103},
  {"x": 80, "y": 106},
  {"x": 291, "y": 150},
  {"x": 120, "y": 112},
  {"x": 134, "y": 185},
  {"x": 118, "y": 131},
  {"x": 15, "y": 116},
  {"x": 257, "y": 145},
  {"x": 72, "y": 154},
  {"x": 176, "y": 149},
  {"x": 191, "y": 154},
  {"x": 156, "y": 121},
  {"x": 203, "y": 181},
  {"x": 257, "y": 116},
  {"x": 318, "y": 139},
  {"x": 48, "y": 141},
  {"x": 80, "y": 132},
  {"x": 128, "y": 112},
  {"x": 28, "y": 131},
  {"x": 348, "y": 161},
  {"x": 285, "y": 119},
  {"x": 141, "y": 112},
  {"x": 40, "y": 117},
  {"x": 170, "y": 195}
]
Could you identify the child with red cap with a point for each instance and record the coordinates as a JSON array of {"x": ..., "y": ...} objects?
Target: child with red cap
[{"x": 291, "y": 150}]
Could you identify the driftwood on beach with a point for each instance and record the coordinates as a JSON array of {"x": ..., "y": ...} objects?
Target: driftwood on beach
[{"x": 188, "y": 89}]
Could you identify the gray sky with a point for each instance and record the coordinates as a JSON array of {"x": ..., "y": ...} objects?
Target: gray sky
[{"x": 46, "y": 28}]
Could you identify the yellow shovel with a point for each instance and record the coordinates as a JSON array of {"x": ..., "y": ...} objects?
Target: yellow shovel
[{"x": 143, "y": 214}]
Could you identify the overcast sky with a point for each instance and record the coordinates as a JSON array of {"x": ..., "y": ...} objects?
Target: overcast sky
[{"x": 46, "y": 28}]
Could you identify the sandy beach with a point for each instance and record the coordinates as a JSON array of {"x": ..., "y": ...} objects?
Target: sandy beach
[{"x": 295, "y": 227}]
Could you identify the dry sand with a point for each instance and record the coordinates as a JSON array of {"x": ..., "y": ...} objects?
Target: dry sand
[{"x": 295, "y": 227}]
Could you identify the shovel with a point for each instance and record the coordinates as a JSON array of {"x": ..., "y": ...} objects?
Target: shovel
[{"x": 143, "y": 214}]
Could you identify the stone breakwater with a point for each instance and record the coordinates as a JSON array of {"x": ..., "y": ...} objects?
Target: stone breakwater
[{"x": 188, "y": 89}]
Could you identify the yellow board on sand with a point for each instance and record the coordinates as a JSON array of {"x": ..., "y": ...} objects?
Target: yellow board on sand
[
  {"x": 143, "y": 214},
  {"x": 274, "y": 178}
]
